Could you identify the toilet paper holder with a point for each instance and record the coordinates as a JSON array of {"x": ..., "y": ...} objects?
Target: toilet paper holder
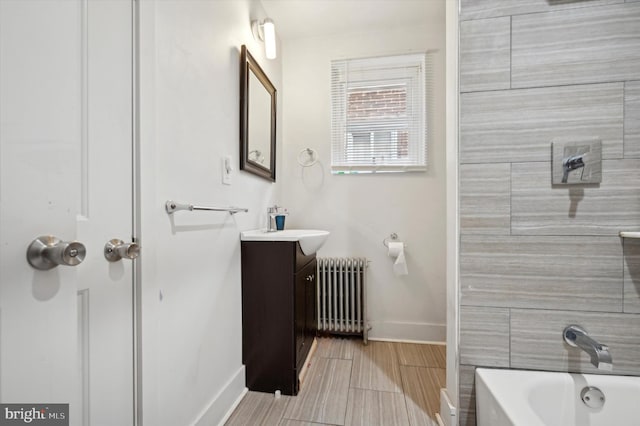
[
  {"x": 396, "y": 251},
  {"x": 393, "y": 236}
]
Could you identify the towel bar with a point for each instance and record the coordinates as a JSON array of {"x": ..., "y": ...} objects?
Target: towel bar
[{"x": 173, "y": 207}]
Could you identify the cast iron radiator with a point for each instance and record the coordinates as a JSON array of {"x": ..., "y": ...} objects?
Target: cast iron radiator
[{"x": 342, "y": 295}]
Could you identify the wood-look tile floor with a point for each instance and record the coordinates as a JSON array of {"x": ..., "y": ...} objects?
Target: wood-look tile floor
[{"x": 349, "y": 384}]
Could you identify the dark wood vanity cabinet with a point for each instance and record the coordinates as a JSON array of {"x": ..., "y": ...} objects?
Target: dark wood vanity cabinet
[{"x": 278, "y": 313}]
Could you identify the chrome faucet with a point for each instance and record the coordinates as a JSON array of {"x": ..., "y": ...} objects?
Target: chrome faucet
[
  {"x": 271, "y": 214},
  {"x": 576, "y": 336}
]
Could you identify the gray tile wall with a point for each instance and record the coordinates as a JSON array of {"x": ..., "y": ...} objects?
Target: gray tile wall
[
  {"x": 476, "y": 9},
  {"x": 485, "y": 54},
  {"x": 485, "y": 338},
  {"x": 584, "y": 45},
  {"x": 547, "y": 272},
  {"x": 536, "y": 340},
  {"x": 632, "y": 276},
  {"x": 536, "y": 257},
  {"x": 485, "y": 199},
  {"x": 467, "y": 407},
  {"x": 632, "y": 119},
  {"x": 519, "y": 125},
  {"x": 537, "y": 208}
]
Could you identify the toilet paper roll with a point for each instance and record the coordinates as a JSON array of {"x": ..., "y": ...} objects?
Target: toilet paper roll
[
  {"x": 395, "y": 248},
  {"x": 400, "y": 265}
]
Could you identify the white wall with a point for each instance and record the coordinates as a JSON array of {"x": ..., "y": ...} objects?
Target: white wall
[
  {"x": 191, "y": 307},
  {"x": 360, "y": 211}
]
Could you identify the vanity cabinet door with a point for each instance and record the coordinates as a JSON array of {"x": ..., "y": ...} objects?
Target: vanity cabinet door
[
  {"x": 299, "y": 311},
  {"x": 268, "y": 317},
  {"x": 311, "y": 321},
  {"x": 278, "y": 313},
  {"x": 305, "y": 311}
]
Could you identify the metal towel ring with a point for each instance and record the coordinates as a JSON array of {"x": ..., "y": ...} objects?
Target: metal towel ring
[{"x": 311, "y": 157}]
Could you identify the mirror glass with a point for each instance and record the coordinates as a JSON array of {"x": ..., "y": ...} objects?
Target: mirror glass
[{"x": 257, "y": 119}]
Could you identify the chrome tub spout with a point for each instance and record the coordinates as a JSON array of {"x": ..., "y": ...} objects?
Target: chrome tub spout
[{"x": 576, "y": 336}]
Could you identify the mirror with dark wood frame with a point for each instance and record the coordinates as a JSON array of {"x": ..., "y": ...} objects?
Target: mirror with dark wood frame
[{"x": 257, "y": 119}]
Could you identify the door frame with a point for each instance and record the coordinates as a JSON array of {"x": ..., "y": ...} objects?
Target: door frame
[
  {"x": 449, "y": 398},
  {"x": 136, "y": 216}
]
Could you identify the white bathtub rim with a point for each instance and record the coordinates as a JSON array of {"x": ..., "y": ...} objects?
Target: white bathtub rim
[{"x": 514, "y": 406}]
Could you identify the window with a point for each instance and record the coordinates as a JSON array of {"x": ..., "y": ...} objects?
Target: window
[{"x": 378, "y": 117}]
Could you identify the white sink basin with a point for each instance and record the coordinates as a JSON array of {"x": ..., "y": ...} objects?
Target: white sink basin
[{"x": 310, "y": 239}]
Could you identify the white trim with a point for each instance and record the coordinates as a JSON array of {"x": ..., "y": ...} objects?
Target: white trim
[
  {"x": 452, "y": 108},
  {"x": 84, "y": 336},
  {"x": 407, "y": 331},
  {"x": 136, "y": 271},
  {"x": 147, "y": 307},
  {"x": 233, "y": 407},
  {"x": 219, "y": 409},
  {"x": 84, "y": 99},
  {"x": 417, "y": 342},
  {"x": 447, "y": 409}
]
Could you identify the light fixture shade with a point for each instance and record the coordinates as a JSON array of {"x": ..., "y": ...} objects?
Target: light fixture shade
[{"x": 269, "y": 31}]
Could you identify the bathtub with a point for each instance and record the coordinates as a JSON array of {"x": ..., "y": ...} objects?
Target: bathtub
[{"x": 542, "y": 398}]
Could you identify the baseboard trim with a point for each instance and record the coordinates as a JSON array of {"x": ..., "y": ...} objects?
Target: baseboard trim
[
  {"x": 233, "y": 407},
  {"x": 419, "y": 342},
  {"x": 447, "y": 409},
  {"x": 408, "y": 332},
  {"x": 218, "y": 411}
]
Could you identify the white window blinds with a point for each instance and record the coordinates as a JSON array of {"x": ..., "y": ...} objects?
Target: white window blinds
[{"x": 378, "y": 117}]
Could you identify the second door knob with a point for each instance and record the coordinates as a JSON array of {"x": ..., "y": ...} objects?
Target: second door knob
[{"x": 117, "y": 249}]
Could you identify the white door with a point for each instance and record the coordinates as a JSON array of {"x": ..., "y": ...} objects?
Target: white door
[{"x": 66, "y": 334}]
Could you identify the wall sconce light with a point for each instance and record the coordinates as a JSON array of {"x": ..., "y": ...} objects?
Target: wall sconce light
[{"x": 265, "y": 31}]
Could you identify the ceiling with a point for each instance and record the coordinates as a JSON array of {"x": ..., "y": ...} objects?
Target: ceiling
[{"x": 306, "y": 18}]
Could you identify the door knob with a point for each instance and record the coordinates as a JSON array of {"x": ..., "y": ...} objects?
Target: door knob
[
  {"x": 46, "y": 252},
  {"x": 116, "y": 249}
]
